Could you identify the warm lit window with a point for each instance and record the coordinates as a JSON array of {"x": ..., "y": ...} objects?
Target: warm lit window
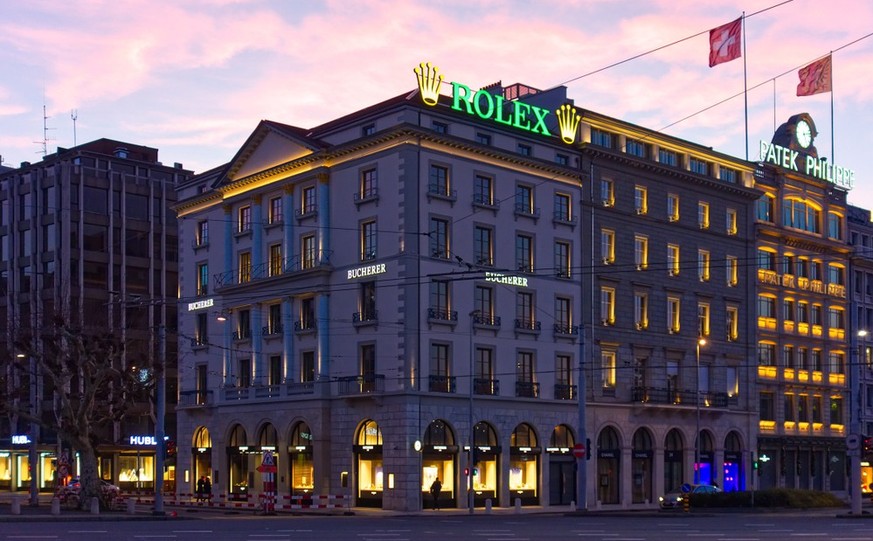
[
  {"x": 673, "y": 316},
  {"x": 607, "y": 192},
  {"x": 641, "y": 200},
  {"x": 524, "y": 253},
  {"x": 733, "y": 323},
  {"x": 307, "y": 200},
  {"x": 562, "y": 259},
  {"x": 607, "y": 246},
  {"x": 703, "y": 265},
  {"x": 641, "y": 310},
  {"x": 733, "y": 270},
  {"x": 483, "y": 247},
  {"x": 607, "y": 305},
  {"x": 607, "y": 363},
  {"x": 703, "y": 214},
  {"x": 244, "y": 219},
  {"x": 245, "y": 267},
  {"x": 673, "y": 260},
  {"x": 673, "y": 207},
  {"x": 275, "y": 259},
  {"x": 641, "y": 252},
  {"x": 703, "y": 319},
  {"x": 368, "y": 240},
  {"x": 275, "y": 210},
  {"x": 731, "y": 222}
]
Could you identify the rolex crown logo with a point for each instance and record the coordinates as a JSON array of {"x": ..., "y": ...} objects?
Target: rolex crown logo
[
  {"x": 429, "y": 82},
  {"x": 568, "y": 122}
]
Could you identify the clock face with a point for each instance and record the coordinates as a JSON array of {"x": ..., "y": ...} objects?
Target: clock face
[{"x": 803, "y": 133}]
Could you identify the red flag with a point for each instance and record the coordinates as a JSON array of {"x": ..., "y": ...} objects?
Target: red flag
[
  {"x": 815, "y": 78},
  {"x": 725, "y": 42}
]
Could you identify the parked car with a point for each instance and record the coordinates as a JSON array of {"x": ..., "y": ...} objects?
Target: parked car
[
  {"x": 69, "y": 494},
  {"x": 673, "y": 499}
]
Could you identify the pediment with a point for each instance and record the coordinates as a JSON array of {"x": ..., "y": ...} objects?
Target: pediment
[{"x": 271, "y": 144}]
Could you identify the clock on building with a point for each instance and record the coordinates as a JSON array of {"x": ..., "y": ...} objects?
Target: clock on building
[{"x": 803, "y": 133}]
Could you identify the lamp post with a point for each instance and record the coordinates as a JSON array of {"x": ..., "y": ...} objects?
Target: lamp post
[
  {"x": 700, "y": 343},
  {"x": 33, "y": 433},
  {"x": 855, "y": 422},
  {"x": 473, "y": 316}
]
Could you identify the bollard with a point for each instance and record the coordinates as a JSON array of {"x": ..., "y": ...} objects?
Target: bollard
[
  {"x": 95, "y": 506},
  {"x": 15, "y": 507},
  {"x": 131, "y": 506},
  {"x": 518, "y": 505},
  {"x": 572, "y": 506},
  {"x": 686, "y": 502},
  {"x": 488, "y": 506},
  {"x": 56, "y": 506}
]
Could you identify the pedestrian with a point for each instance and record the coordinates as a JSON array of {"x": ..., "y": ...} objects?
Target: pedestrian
[
  {"x": 201, "y": 484},
  {"x": 435, "y": 489},
  {"x": 207, "y": 488}
]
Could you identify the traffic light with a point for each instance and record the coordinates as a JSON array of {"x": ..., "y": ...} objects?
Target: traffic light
[
  {"x": 475, "y": 472},
  {"x": 755, "y": 463},
  {"x": 466, "y": 472}
]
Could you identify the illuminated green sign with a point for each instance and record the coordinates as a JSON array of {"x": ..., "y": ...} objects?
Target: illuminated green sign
[{"x": 809, "y": 165}]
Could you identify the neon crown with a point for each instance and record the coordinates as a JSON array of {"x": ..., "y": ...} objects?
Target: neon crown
[
  {"x": 568, "y": 122},
  {"x": 429, "y": 82}
]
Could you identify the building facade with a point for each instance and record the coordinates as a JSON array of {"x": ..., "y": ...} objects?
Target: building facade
[
  {"x": 369, "y": 299},
  {"x": 86, "y": 235}
]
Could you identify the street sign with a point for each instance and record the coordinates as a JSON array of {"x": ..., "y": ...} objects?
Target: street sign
[
  {"x": 853, "y": 442},
  {"x": 685, "y": 488},
  {"x": 579, "y": 450},
  {"x": 268, "y": 464}
]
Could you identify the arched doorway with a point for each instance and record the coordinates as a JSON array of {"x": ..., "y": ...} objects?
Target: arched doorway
[
  {"x": 369, "y": 472},
  {"x": 608, "y": 466},
  {"x": 201, "y": 454},
  {"x": 301, "y": 470},
  {"x": 524, "y": 465},
  {"x": 733, "y": 471},
  {"x": 486, "y": 464},
  {"x": 237, "y": 463},
  {"x": 673, "y": 475},
  {"x": 642, "y": 456},
  {"x": 268, "y": 439},
  {"x": 439, "y": 459},
  {"x": 562, "y": 466},
  {"x": 705, "y": 467}
]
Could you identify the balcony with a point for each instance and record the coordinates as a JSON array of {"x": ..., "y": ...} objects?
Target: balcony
[
  {"x": 242, "y": 334},
  {"x": 490, "y": 387},
  {"x": 304, "y": 325},
  {"x": 367, "y": 317},
  {"x": 254, "y": 273},
  {"x": 527, "y": 389},
  {"x": 561, "y": 217},
  {"x": 768, "y": 372},
  {"x": 563, "y": 329},
  {"x": 365, "y": 196},
  {"x": 267, "y": 391},
  {"x": 360, "y": 385},
  {"x": 193, "y": 399},
  {"x": 683, "y": 397},
  {"x": 308, "y": 211},
  {"x": 565, "y": 392},
  {"x": 441, "y": 315},
  {"x": 528, "y": 325},
  {"x": 199, "y": 342},
  {"x": 437, "y": 191},
  {"x": 522, "y": 209},
  {"x": 441, "y": 384},
  {"x": 299, "y": 387},
  {"x": 271, "y": 330},
  {"x": 486, "y": 321},
  {"x": 485, "y": 201}
]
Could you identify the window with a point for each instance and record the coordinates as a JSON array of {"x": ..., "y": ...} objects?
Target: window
[
  {"x": 732, "y": 381},
  {"x": 816, "y": 360},
  {"x": 440, "y": 302},
  {"x": 275, "y": 259},
  {"x": 673, "y": 207},
  {"x": 439, "y": 180},
  {"x": 524, "y": 150},
  {"x": 607, "y": 192},
  {"x": 244, "y": 373},
  {"x": 245, "y": 267},
  {"x": 483, "y": 302},
  {"x": 307, "y": 366},
  {"x": 483, "y": 138},
  {"x": 836, "y": 417},
  {"x": 641, "y": 310},
  {"x": 767, "y": 406},
  {"x": 836, "y": 274},
  {"x": 202, "y": 235},
  {"x": 524, "y": 374},
  {"x": 733, "y": 270},
  {"x": 307, "y": 252},
  {"x": 563, "y": 372},
  {"x": 274, "y": 319},
  {"x": 524, "y": 203},
  {"x": 788, "y": 310},
  {"x": 307, "y": 314},
  {"x": 483, "y": 192},
  {"x": 368, "y": 240},
  {"x": 244, "y": 219},
  {"x": 766, "y": 306},
  {"x": 485, "y": 383},
  {"x": 369, "y": 185},
  {"x": 607, "y": 246},
  {"x": 524, "y": 311},
  {"x": 789, "y": 407},
  {"x": 607, "y": 368},
  {"x": 275, "y": 212},
  {"x": 562, "y": 259},
  {"x": 368, "y": 367},
  {"x": 816, "y": 314},
  {"x": 766, "y": 354},
  {"x": 667, "y": 157},
  {"x": 367, "y": 301},
  {"x": 202, "y": 279},
  {"x": 766, "y": 259},
  {"x": 483, "y": 246},
  {"x": 607, "y": 305},
  {"x": 728, "y": 175},
  {"x": 524, "y": 253},
  {"x": 635, "y": 148},
  {"x": 703, "y": 265},
  {"x": 275, "y": 375},
  {"x": 641, "y": 200},
  {"x": 835, "y": 226},
  {"x": 601, "y": 138},
  {"x": 698, "y": 166},
  {"x": 439, "y": 238},
  {"x": 731, "y": 222},
  {"x": 562, "y": 207},
  {"x": 563, "y": 317},
  {"x": 732, "y": 316},
  {"x": 201, "y": 330},
  {"x": 562, "y": 159},
  {"x": 703, "y": 319},
  {"x": 673, "y": 315},
  {"x": 765, "y": 209},
  {"x": 836, "y": 318},
  {"x": 641, "y": 252},
  {"x": 788, "y": 356},
  {"x": 703, "y": 214},
  {"x": 440, "y": 127},
  {"x": 308, "y": 200},
  {"x": 244, "y": 324},
  {"x": 673, "y": 260},
  {"x": 801, "y": 215},
  {"x": 439, "y": 366},
  {"x": 803, "y": 358}
]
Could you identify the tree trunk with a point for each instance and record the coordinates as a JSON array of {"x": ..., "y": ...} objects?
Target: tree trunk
[{"x": 89, "y": 478}]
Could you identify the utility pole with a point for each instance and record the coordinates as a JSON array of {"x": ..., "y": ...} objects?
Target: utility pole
[{"x": 160, "y": 412}]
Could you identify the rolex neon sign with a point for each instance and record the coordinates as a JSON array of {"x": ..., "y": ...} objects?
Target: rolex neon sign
[{"x": 492, "y": 107}]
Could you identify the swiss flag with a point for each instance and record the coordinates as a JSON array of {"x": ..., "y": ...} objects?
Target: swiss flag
[
  {"x": 725, "y": 42},
  {"x": 815, "y": 78}
]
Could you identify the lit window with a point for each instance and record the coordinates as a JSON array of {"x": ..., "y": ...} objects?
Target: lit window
[
  {"x": 607, "y": 246},
  {"x": 673, "y": 259},
  {"x": 731, "y": 222},
  {"x": 607, "y": 305},
  {"x": 673, "y": 207},
  {"x": 703, "y": 265},
  {"x": 245, "y": 267},
  {"x": 641, "y": 252},
  {"x": 703, "y": 214},
  {"x": 641, "y": 200},
  {"x": 607, "y": 361},
  {"x": 641, "y": 310},
  {"x": 733, "y": 323},
  {"x": 607, "y": 192},
  {"x": 275, "y": 259},
  {"x": 703, "y": 320},
  {"x": 673, "y": 316}
]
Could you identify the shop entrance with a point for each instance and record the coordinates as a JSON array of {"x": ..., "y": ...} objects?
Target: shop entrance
[
  {"x": 562, "y": 466},
  {"x": 439, "y": 456},
  {"x": 369, "y": 470}
]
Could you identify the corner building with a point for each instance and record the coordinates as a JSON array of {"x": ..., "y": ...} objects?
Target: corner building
[{"x": 364, "y": 298}]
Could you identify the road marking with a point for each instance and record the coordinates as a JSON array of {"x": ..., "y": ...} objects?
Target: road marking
[
  {"x": 32, "y": 537},
  {"x": 811, "y": 534},
  {"x": 192, "y": 531},
  {"x": 87, "y": 531}
]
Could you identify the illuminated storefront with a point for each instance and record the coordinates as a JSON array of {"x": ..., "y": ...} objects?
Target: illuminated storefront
[
  {"x": 202, "y": 455},
  {"x": 642, "y": 455},
  {"x": 369, "y": 471},
  {"x": 524, "y": 465},
  {"x": 486, "y": 464},
  {"x": 608, "y": 466},
  {"x": 301, "y": 469},
  {"x": 439, "y": 461},
  {"x": 237, "y": 464}
]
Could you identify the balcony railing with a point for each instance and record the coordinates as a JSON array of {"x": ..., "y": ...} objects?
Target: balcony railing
[
  {"x": 528, "y": 325},
  {"x": 303, "y": 325},
  {"x": 561, "y": 328},
  {"x": 367, "y": 316},
  {"x": 527, "y": 389},
  {"x": 565, "y": 392},
  {"x": 441, "y": 384},
  {"x": 684, "y": 397},
  {"x": 271, "y": 330},
  {"x": 486, "y": 386},
  {"x": 242, "y": 334},
  {"x": 486, "y": 320},
  {"x": 441, "y": 314},
  {"x": 189, "y": 399},
  {"x": 522, "y": 209},
  {"x": 265, "y": 270},
  {"x": 366, "y": 384},
  {"x": 442, "y": 192}
]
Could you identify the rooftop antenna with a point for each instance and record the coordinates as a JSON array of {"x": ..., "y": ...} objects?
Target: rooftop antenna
[
  {"x": 45, "y": 129},
  {"x": 74, "y": 114}
]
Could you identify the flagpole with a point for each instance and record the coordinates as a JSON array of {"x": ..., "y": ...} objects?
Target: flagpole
[
  {"x": 746, "y": 89},
  {"x": 833, "y": 152}
]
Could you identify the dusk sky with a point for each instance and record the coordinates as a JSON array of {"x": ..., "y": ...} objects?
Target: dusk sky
[{"x": 193, "y": 78}]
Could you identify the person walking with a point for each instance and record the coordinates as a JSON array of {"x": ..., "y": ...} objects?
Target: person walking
[
  {"x": 435, "y": 488},
  {"x": 207, "y": 489},
  {"x": 201, "y": 483}
]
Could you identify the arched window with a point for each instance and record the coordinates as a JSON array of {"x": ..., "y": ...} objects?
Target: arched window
[
  {"x": 370, "y": 434},
  {"x": 523, "y": 436},
  {"x": 202, "y": 439}
]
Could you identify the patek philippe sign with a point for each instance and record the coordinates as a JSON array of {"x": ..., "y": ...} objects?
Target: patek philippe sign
[
  {"x": 809, "y": 165},
  {"x": 199, "y": 305}
]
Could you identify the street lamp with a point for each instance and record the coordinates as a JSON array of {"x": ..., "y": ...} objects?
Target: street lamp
[
  {"x": 700, "y": 343},
  {"x": 473, "y": 315},
  {"x": 855, "y": 422},
  {"x": 33, "y": 437}
]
